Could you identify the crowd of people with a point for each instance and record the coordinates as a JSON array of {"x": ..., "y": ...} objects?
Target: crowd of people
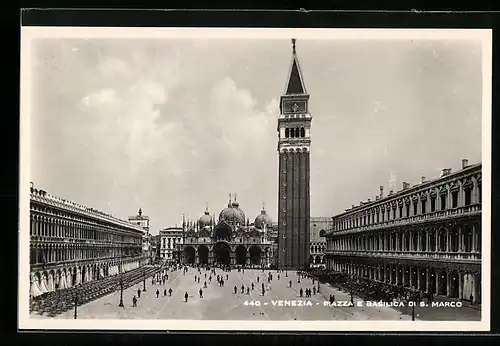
[
  {"x": 56, "y": 302},
  {"x": 368, "y": 289}
]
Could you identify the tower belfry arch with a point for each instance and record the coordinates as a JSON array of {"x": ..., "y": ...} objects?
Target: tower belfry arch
[{"x": 294, "y": 124}]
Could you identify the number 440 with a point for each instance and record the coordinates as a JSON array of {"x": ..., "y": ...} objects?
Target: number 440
[{"x": 251, "y": 303}]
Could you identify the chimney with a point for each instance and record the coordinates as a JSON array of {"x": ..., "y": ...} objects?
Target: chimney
[
  {"x": 381, "y": 192},
  {"x": 369, "y": 200},
  {"x": 446, "y": 171},
  {"x": 422, "y": 180},
  {"x": 391, "y": 192},
  {"x": 353, "y": 206},
  {"x": 377, "y": 198},
  {"x": 406, "y": 185},
  {"x": 465, "y": 163}
]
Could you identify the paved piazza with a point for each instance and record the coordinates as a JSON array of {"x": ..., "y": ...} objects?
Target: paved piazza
[{"x": 220, "y": 303}]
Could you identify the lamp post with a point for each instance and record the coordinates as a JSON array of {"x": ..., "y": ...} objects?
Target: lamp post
[
  {"x": 144, "y": 283},
  {"x": 413, "y": 311},
  {"x": 121, "y": 282},
  {"x": 121, "y": 293},
  {"x": 413, "y": 306},
  {"x": 76, "y": 303}
]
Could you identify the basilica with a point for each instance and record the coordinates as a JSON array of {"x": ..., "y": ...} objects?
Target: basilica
[{"x": 228, "y": 240}]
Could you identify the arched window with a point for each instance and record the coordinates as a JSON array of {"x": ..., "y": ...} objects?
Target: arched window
[
  {"x": 322, "y": 233},
  {"x": 287, "y": 132},
  {"x": 302, "y": 132},
  {"x": 297, "y": 132},
  {"x": 292, "y": 133}
]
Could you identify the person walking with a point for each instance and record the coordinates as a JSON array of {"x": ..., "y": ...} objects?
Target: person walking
[
  {"x": 157, "y": 293},
  {"x": 205, "y": 284},
  {"x": 134, "y": 302},
  {"x": 314, "y": 290},
  {"x": 242, "y": 289},
  {"x": 248, "y": 290},
  {"x": 252, "y": 286},
  {"x": 301, "y": 292},
  {"x": 186, "y": 295},
  {"x": 170, "y": 291},
  {"x": 164, "y": 292},
  {"x": 201, "y": 293},
  {"x": 139, "y": 293},
  {"x": 235, "y": 289}
]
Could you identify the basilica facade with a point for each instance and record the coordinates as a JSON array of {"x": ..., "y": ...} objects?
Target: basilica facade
[{"x": 228, "y": 240}]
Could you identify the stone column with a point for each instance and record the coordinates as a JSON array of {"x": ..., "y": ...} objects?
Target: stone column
[
  {"x": 474, "y": 237},
  {"x": 419, "y": 278},
  {"x": 419, "y": 240},
  {"x": 403, "y": 269},
  {"x": 460, "y": 239},
  {"x": 427, "y": 240},
  {"x": 460, "y": 285},
  {"x": 447, "y": 240},
  {"x": 428, "y": 279},
  {"x": 448, "y": 282},
  {"x": 411, "y": 269}
]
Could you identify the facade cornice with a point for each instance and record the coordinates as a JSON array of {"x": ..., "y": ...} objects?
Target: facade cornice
[
  {"x": 74, "y": 208},
  {"x": 471, "y": 170}
]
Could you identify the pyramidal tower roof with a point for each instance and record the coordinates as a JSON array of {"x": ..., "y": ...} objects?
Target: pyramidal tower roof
[{"x": 295, "y": 82}]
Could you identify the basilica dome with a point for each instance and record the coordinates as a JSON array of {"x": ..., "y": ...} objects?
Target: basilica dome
[
  {"x": 233, "y": 214},
  {"x": 236, "y": 206},
  {"x": 205, "y": 220},
  {"x": 262, "y": 219}
]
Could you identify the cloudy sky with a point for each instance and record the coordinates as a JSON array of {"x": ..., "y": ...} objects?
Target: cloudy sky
[{"x": 170, "y": 125}]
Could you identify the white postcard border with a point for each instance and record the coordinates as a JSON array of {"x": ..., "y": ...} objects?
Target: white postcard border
[{"x": 30, "y": 33}]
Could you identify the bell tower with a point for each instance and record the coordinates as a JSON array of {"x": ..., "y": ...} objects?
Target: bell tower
[{"x": 294, "y": 141}]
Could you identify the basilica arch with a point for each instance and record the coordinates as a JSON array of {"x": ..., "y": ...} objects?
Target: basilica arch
[
  {"x": 189, "y": 254},
  {"x": 241, "y": 255},
  {"x": 203, "y": 254},
  {"x": 222, "y": 253},
  {"x": 222, "y": 232},
  {"x": 254, "y": 252}
]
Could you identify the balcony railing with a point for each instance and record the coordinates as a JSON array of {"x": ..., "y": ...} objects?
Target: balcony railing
[
  {"x": 474, "y": 209},
  {"x": 38, "y": 238},
  {"x": 73, "y": 262},
  {"x": 423, "y": 255}
]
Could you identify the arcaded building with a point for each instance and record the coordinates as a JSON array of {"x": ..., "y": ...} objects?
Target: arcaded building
[
  {"x": 426, "y": 236},
  {"x": 317, "y": 242},
  {"x": 71, "y": 244},
  {"x": 229, "y": 240}
]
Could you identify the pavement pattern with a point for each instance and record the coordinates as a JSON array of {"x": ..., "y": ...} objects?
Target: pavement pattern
[{"x": 221, "y": 303}]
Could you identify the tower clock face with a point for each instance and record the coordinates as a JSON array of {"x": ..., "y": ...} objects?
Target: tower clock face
[{"x": 294, "y": 106}]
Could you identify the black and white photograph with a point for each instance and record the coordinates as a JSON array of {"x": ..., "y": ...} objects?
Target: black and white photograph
[{"x": 255, "y": 179}]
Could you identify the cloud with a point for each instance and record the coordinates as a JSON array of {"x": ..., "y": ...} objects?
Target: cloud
[{"x": 170, "y": 125}]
